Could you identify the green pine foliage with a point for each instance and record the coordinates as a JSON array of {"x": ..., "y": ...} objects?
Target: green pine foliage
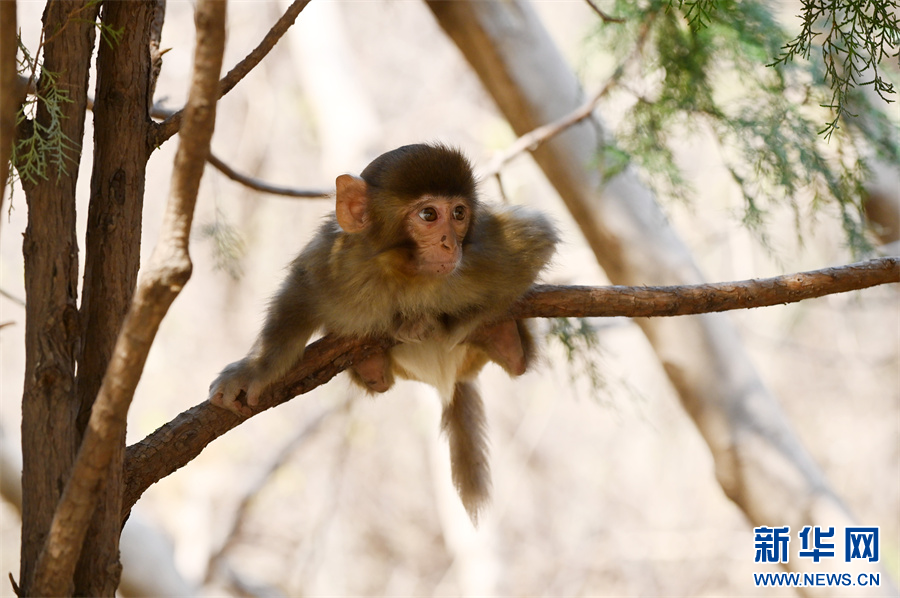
[
  {"x": 41, "y": 144},
  {"x": 729, "y": 68},
  {"x": 857, "y": 36},
  {"x": 44, "y": 145},
  {"x": 581, "y": 344}
]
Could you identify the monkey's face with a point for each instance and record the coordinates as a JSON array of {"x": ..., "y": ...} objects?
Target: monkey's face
[{"x": 437, "y": 225}]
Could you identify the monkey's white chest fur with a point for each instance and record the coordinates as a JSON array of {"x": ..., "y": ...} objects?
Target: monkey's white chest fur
[{"x": 432, "y": 361}]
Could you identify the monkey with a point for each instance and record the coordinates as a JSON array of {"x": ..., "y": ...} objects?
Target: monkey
[{"x": 411, "y": 253}]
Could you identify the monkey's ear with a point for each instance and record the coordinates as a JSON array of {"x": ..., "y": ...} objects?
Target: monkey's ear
[{"x": 352, "y": 205}]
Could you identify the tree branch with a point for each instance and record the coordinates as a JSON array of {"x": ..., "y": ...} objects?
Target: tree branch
[
  {"x": 168, "y": 271},
  {"x": 265, "y": 187},
  {"x": 546, "y": 301},
  {"x": 534, "y": 138},
  {"x": 531, "y": 140},
  {"x": 603, "y": 16},
  {"x": 171, "y": 125},
  {"x": 178, "y": 442},
  {"x": 228, "y": 171}
]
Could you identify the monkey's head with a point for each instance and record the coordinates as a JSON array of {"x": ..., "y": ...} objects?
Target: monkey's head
[{"x": 418, "y": 200}]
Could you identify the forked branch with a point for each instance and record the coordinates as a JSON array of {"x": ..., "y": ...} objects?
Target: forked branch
[{"x": 175, "y": 444}]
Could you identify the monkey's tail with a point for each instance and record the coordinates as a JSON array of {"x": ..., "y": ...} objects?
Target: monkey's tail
[{"x": 464, "y": 423}]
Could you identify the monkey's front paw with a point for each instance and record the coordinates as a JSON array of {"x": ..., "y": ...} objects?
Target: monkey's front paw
[
  {"x": 233, "y": 383},
  {"x": 416, "y": 331}
]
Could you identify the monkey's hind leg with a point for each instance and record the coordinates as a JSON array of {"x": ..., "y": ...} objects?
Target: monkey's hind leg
[
  {"x": 375, "y": 373},
  {"x": 464, "y": 423}
]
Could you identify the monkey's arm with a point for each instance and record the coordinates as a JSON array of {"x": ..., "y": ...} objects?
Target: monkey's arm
[
  {"x": 508, "y": 250},
  {"x": 290, "y": 320}
]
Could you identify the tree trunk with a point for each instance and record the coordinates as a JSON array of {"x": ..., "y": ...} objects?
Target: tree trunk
[
  {"x": 50, "y": 248},
  {"x": 121, "y": 131}
]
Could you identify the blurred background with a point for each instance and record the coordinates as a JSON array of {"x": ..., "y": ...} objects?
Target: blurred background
[{"x": 599, "y": 489}]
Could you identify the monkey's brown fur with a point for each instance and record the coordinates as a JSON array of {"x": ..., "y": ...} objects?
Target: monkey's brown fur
[{"x": 410, "y": 252}]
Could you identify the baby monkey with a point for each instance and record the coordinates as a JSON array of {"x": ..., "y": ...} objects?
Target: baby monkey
[{"x": 410, "y": 253}]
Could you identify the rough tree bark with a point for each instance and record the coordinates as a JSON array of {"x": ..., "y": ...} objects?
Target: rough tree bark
[
  {"x": 760, "y": 463},
  {"x": 50, "y": 248},
  {"x": 60, "y": 339},
  {"x": 168, "y": 271},
  {"x": 122, "y": 128}
]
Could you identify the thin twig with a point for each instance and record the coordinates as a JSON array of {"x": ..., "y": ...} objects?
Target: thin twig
[
  {"x": 12, "y": 297},
  {"x": 603, "y": 16},
  {"x": 265, "y": 187},
  {"x": 248, "y": 181},
  {"x": 531, "y": 140}
]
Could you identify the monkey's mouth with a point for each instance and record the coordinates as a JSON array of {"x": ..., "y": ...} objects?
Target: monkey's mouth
[{"x": 440, "y": 269}]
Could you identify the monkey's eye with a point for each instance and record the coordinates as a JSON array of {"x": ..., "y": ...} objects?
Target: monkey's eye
[
  {"x": 428, "y": 214},
  {"x": 459, "y": 212}
]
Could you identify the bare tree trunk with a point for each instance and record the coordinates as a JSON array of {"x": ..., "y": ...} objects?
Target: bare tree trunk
[
  {"x": 49, "y": 408},
  {"x": 122, "y": 128},
  {"x": 759, "y": 461}
]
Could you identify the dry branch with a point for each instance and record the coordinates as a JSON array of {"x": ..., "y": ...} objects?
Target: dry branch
[
  {"x": 168, "y": 270},
  {"x": 243, "y": 179},
  {"x": 531, "y": 140},
  {"x": 603, "y": 16},
  {"x": 265, "y": 187},
  {"x": 171, "y": 125},
  {"x": 534, "y": 138},
  {"x": 178, "y": 442}
]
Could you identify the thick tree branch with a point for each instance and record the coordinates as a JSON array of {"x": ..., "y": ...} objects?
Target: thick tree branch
[
  {"x": 175, "y": 444},
  {"x": 171, "y": 125},
  {"x": 168, "y": 270},
  {"x": 50, "y": 250}
]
